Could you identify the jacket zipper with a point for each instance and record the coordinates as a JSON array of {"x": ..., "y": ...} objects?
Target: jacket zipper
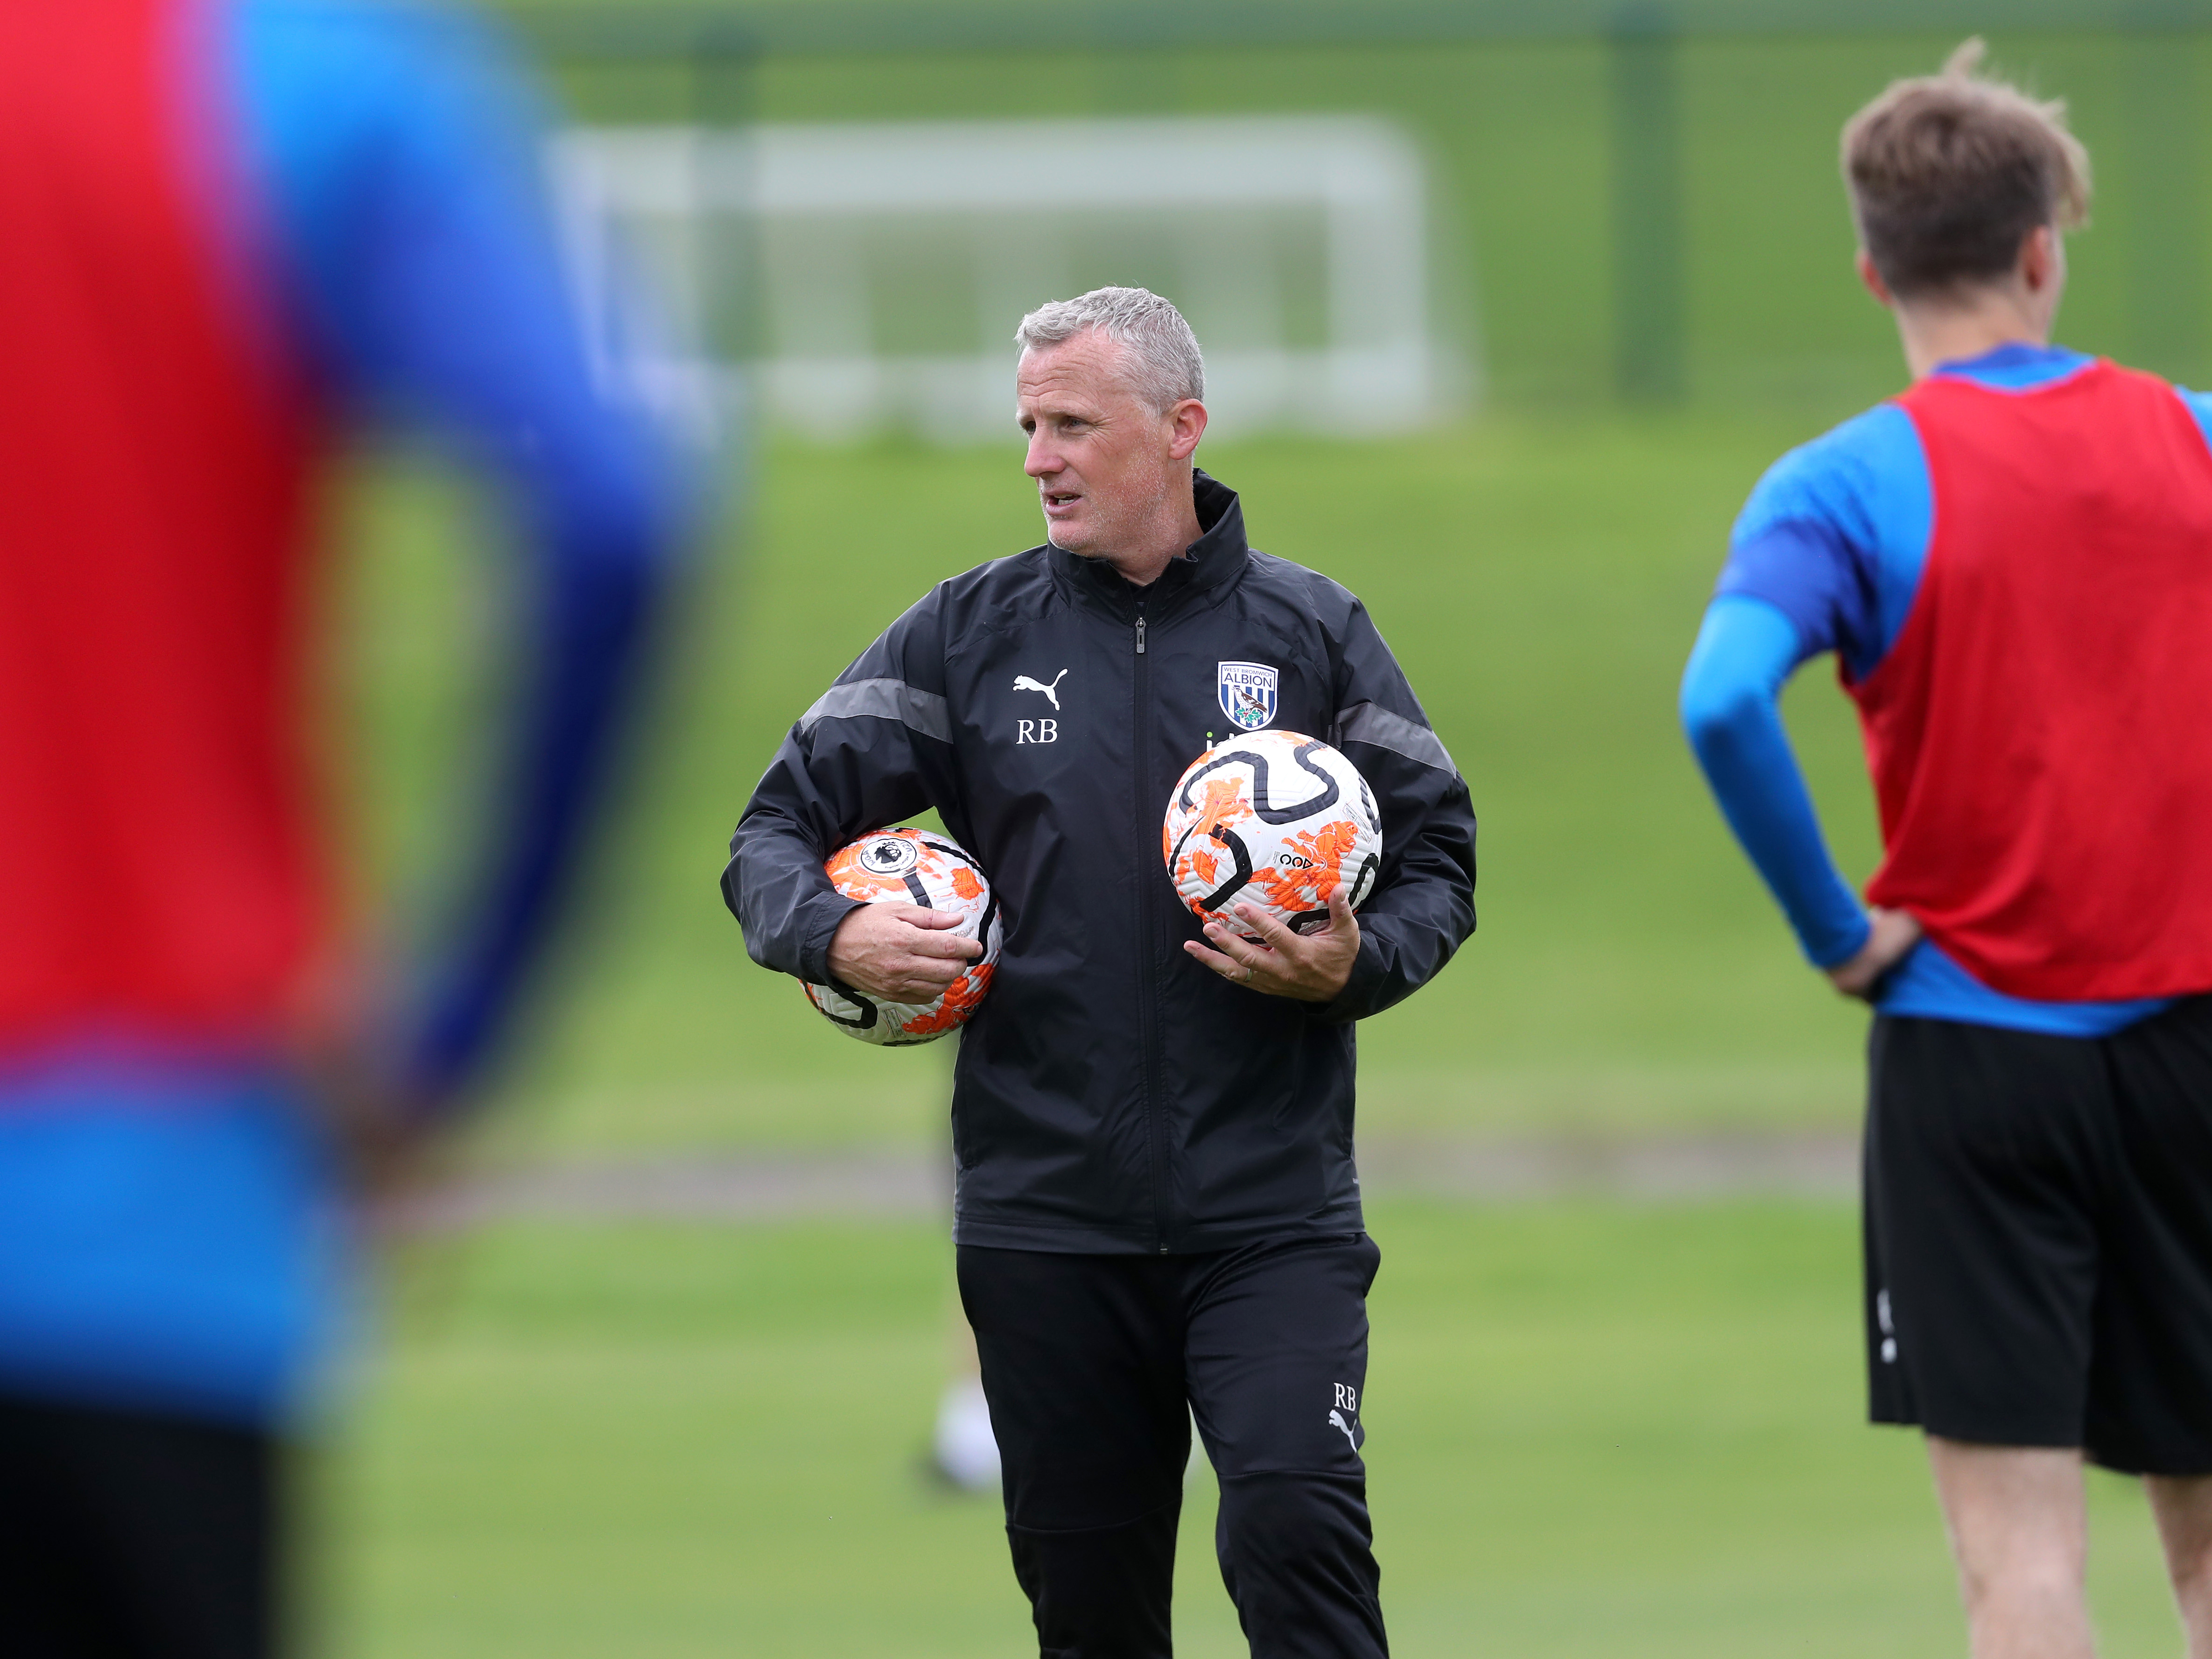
[{"x": 1147, "y": 1015}]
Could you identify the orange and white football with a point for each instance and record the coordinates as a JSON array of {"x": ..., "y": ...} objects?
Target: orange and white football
[
  {"x": 913, "y": 866},
  {"x": 1274, "y": 820}
]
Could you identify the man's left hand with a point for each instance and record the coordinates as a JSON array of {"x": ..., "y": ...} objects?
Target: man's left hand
[
  {"x": 1891, "y": 935},
  {"x": 1307, "y": 968}
]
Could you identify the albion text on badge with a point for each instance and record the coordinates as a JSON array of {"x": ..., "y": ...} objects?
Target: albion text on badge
[{"x": 1248, "y": 693}]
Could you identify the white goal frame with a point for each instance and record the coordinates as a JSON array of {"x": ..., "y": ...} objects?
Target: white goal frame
[{"x": 791, "y": 196}]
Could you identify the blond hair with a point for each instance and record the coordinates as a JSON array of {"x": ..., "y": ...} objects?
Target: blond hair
[{"x": 1950, "y": 173}]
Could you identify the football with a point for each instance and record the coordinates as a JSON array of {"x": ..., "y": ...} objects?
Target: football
[
  {"x": 1276, "y": 820},
  {"x": 913, "y": 866}
]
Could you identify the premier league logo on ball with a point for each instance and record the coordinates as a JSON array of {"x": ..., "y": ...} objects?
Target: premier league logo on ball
[
  {"x": 1248, "y": 693},
  {"x": 890, "y": 856}
]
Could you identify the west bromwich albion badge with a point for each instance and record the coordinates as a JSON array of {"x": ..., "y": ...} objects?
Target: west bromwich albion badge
[{"x": 1248, "y": 693}]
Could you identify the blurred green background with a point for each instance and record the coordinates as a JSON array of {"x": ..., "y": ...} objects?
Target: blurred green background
[{"x": 1598, "y": 1425}]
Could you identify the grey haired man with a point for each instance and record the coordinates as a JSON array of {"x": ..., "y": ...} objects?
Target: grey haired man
[{"x": 1157, "y": 1212}]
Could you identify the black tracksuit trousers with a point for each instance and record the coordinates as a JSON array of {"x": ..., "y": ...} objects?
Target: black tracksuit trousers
[{"x": 1094, "y": 1366}]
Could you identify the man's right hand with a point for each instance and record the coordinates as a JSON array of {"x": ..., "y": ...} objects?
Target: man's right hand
[
  {"x": 339, "y": 1035},
  {"x": 899, "y": 952}
]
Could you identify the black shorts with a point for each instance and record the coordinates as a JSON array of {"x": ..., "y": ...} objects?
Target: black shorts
[
  {"x": 131, "y": 1535},
  {"x": 2038, "y": 1237}
]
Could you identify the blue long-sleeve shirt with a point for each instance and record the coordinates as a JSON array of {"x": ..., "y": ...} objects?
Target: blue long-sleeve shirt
[
  {"x": 168, "y": 1233},
  {"x": 398, "y": 154},
  {"x": 1828, "y": 556}
]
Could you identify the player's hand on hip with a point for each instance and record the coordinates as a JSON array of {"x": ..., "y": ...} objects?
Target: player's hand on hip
[
  {"x": 338, "y": 1037},
  {"x": 1308, "y": 967},
  {"x": 899, "y": 952},
  {"x": 1891, "y": 936}
]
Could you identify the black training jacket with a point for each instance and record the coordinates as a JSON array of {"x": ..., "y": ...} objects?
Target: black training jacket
[{"x": 1112, "y": 1094}]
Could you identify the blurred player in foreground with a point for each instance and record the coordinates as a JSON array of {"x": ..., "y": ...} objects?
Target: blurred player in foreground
[
  {"x": 2013, "y": 563},
  {"x": 1157, "y": 1212},
  {"x": 232, "y": 232}
]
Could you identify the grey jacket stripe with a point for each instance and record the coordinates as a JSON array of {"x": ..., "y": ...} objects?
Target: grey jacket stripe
[
  {"x": 1365, "y": 723},
  {"x": 892, "y": 700}
]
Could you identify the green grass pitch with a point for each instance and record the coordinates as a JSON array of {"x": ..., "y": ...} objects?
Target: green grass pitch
[
  {"x": 1596, "y": 1429},
  {"x": 1592, "y": 1430}
]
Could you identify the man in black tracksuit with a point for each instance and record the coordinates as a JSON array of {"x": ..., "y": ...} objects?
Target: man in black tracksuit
[{"x": 1156, "y": 1210}]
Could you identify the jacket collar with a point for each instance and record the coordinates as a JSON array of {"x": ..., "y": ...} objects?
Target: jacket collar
[{"x": 1219, "y": 555}]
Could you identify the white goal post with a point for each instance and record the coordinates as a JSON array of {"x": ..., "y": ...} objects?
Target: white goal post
[{"x": 889, "y": 263}]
